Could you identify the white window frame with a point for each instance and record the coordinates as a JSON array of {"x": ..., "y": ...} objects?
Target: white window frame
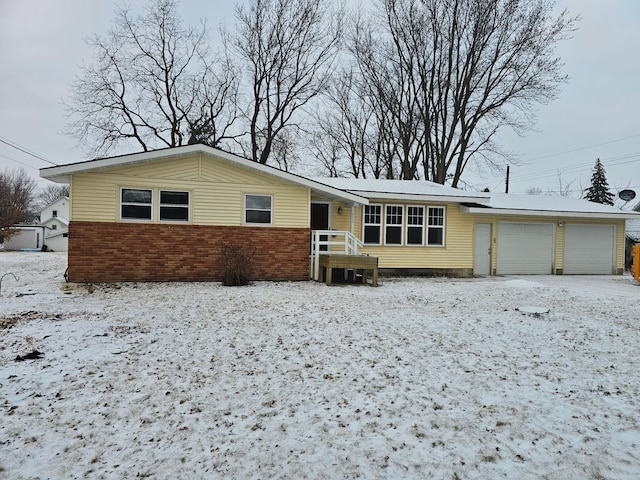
[
  {"x": 415, "y": 225},
  {"x": 171, "y": 205},
  {"x": 439, "y": 227},
  {"x": 245, "y": 209},
  {"x": 150, "y": 205},
  {"x": 370, "y": 224},
  {"x": 400, "y": 225}
]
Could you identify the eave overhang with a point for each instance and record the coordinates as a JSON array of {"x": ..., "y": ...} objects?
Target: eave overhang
[
  {"x": 482, "y": 210},
  {"x": 413, "y": 197}
]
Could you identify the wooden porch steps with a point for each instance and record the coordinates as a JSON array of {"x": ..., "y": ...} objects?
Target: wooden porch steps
[{"x": 365, "y": 263}]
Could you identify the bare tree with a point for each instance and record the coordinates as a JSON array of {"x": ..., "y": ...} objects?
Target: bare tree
[
  {"x": 450, "y": 74},
  {"x": 345, "y": 136},
  {"x": 288, "y": 47},
  {"x": 16, "y": 200},
  {"x": 153, "y": 83},
  {"x": 51, "y": 193}
]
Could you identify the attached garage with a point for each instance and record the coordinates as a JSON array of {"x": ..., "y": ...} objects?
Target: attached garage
[
  {"x": 537, "y": 234},
  {"x": 525, "y": 248},
  {"x": 589, "y": 249}
]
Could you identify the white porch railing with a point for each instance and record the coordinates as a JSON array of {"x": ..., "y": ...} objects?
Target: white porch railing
[{"x": 338, "y": 242}]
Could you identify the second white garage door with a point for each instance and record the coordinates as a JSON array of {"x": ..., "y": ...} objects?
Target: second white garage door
[
  {"x": 589, "y": 249},
  {"x": 525, "y": 248}
]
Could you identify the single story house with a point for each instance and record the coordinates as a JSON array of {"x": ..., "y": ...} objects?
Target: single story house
[{"x": 166, "y": 215}]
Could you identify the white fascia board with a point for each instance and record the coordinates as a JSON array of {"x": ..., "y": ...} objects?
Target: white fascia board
[
  {"x": 62, "y": 174},
  {"x": 420, "y": 198},
  {"x": 549, "y": 213}
]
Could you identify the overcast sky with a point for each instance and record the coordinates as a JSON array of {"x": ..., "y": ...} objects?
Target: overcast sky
[{"x": 41, "y": 46}]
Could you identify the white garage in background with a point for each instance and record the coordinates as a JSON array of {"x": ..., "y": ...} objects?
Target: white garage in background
[
  {"x": 589, "y": 249},
  {"x": 525, "y": 248}
]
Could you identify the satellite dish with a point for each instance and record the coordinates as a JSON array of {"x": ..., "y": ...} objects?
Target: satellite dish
[{"x": 627, "y": 195}]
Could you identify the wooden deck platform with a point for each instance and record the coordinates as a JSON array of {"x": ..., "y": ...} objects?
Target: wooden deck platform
[{"x": 353, "y": 262}]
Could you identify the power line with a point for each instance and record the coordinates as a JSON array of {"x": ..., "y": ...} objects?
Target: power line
[
  {"x": 17, "y": 146},
  {"x": 611, "y": 162},
  {"x": 17, "y": 161},
  {"x": 584, "y": 148}
]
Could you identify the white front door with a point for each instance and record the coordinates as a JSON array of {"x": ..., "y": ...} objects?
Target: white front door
[{"x": 482, "y": 249}]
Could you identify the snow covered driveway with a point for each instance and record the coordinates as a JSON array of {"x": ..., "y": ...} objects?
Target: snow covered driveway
[{"x": 419, "y": 378}]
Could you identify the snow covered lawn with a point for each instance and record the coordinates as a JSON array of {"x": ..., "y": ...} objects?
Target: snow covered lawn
[{"x": 419, "y": 378}]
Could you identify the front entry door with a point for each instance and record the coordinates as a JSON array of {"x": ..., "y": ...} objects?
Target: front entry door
[
  {"x": 482, "y": 249},
  {"x": 320, "y": 219}
]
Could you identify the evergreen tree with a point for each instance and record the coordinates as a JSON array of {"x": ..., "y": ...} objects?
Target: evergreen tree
[{"x": 599, "y": 192}]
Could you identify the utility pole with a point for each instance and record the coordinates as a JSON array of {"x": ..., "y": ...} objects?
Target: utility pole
[{"x": 506, "y": 190}]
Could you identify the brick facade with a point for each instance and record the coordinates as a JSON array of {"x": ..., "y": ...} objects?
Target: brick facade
[{"x": 113, "y": 252}]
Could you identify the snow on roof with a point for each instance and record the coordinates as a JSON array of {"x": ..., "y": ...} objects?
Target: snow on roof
[
  {"x": 513, "y": 203},
  {"x": 401, "y": 189},
  {"x": 62, "y": 220}
]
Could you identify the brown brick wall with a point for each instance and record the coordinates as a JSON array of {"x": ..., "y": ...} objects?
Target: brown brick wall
[{"x": 112, "y": 252}]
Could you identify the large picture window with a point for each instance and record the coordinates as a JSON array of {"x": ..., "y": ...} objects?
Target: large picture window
[
  {"x": 415, "y": 225},
  {"x": 135, "y": 203},
  {"x": 372, "y": 224},
  {"x": 257, "y": 209},
  {"x": 435, "y": 228},
  {"x": 174, "y": 206},
  {"x": 393, "y": 225}
]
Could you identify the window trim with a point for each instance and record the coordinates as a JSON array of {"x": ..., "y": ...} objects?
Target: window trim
[
  {"x": 441, "y": 227},
  {"x": 400, "y": 225},
  {"x": 379, "y": 225},
  {"x": 422, "y": 226},
  {"x": 121, "y": 204},
  {"x": 160, "y": 205},
  {"x": 244, "y": 210}
]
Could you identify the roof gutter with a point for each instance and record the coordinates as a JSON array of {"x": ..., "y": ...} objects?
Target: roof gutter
[
  {"x": 415, "y": 197},
  {"x": 547, "y": 213}
]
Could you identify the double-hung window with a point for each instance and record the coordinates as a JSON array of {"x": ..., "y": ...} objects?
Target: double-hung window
[
  {"x": 372, "y": 224},
  {"x": 174, "y": 206},
  {"x": 435, "y": 226},
  {"x": 257, "y": 209},
  {"x": 135, "y": 203},
  {"x": 415, "y": 225},
  {"x": 393, "y": 225}
]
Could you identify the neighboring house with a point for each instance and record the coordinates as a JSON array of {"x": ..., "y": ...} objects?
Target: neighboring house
[
  {"x": 166, "y": 214},
  {"x": 55, "y": 217},
  {"x": 52, "y": 232}
]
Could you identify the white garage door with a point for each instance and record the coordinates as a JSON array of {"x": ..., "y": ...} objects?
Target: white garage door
[
  {"x": 525, "y": 248},
  {"x": 589, "y": 249}
]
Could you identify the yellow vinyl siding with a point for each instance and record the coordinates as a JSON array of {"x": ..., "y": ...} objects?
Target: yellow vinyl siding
[
  {"x": 180, "y": 168},
  {"x": 456, "y": 252},
  {"x": 215, "y": 200},
  {"x": 342, "y": 221},
  {"x": 559, "y": 247}
]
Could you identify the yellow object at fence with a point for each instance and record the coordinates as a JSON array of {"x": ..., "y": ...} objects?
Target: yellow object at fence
[{"x": 635, "y": 268}]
